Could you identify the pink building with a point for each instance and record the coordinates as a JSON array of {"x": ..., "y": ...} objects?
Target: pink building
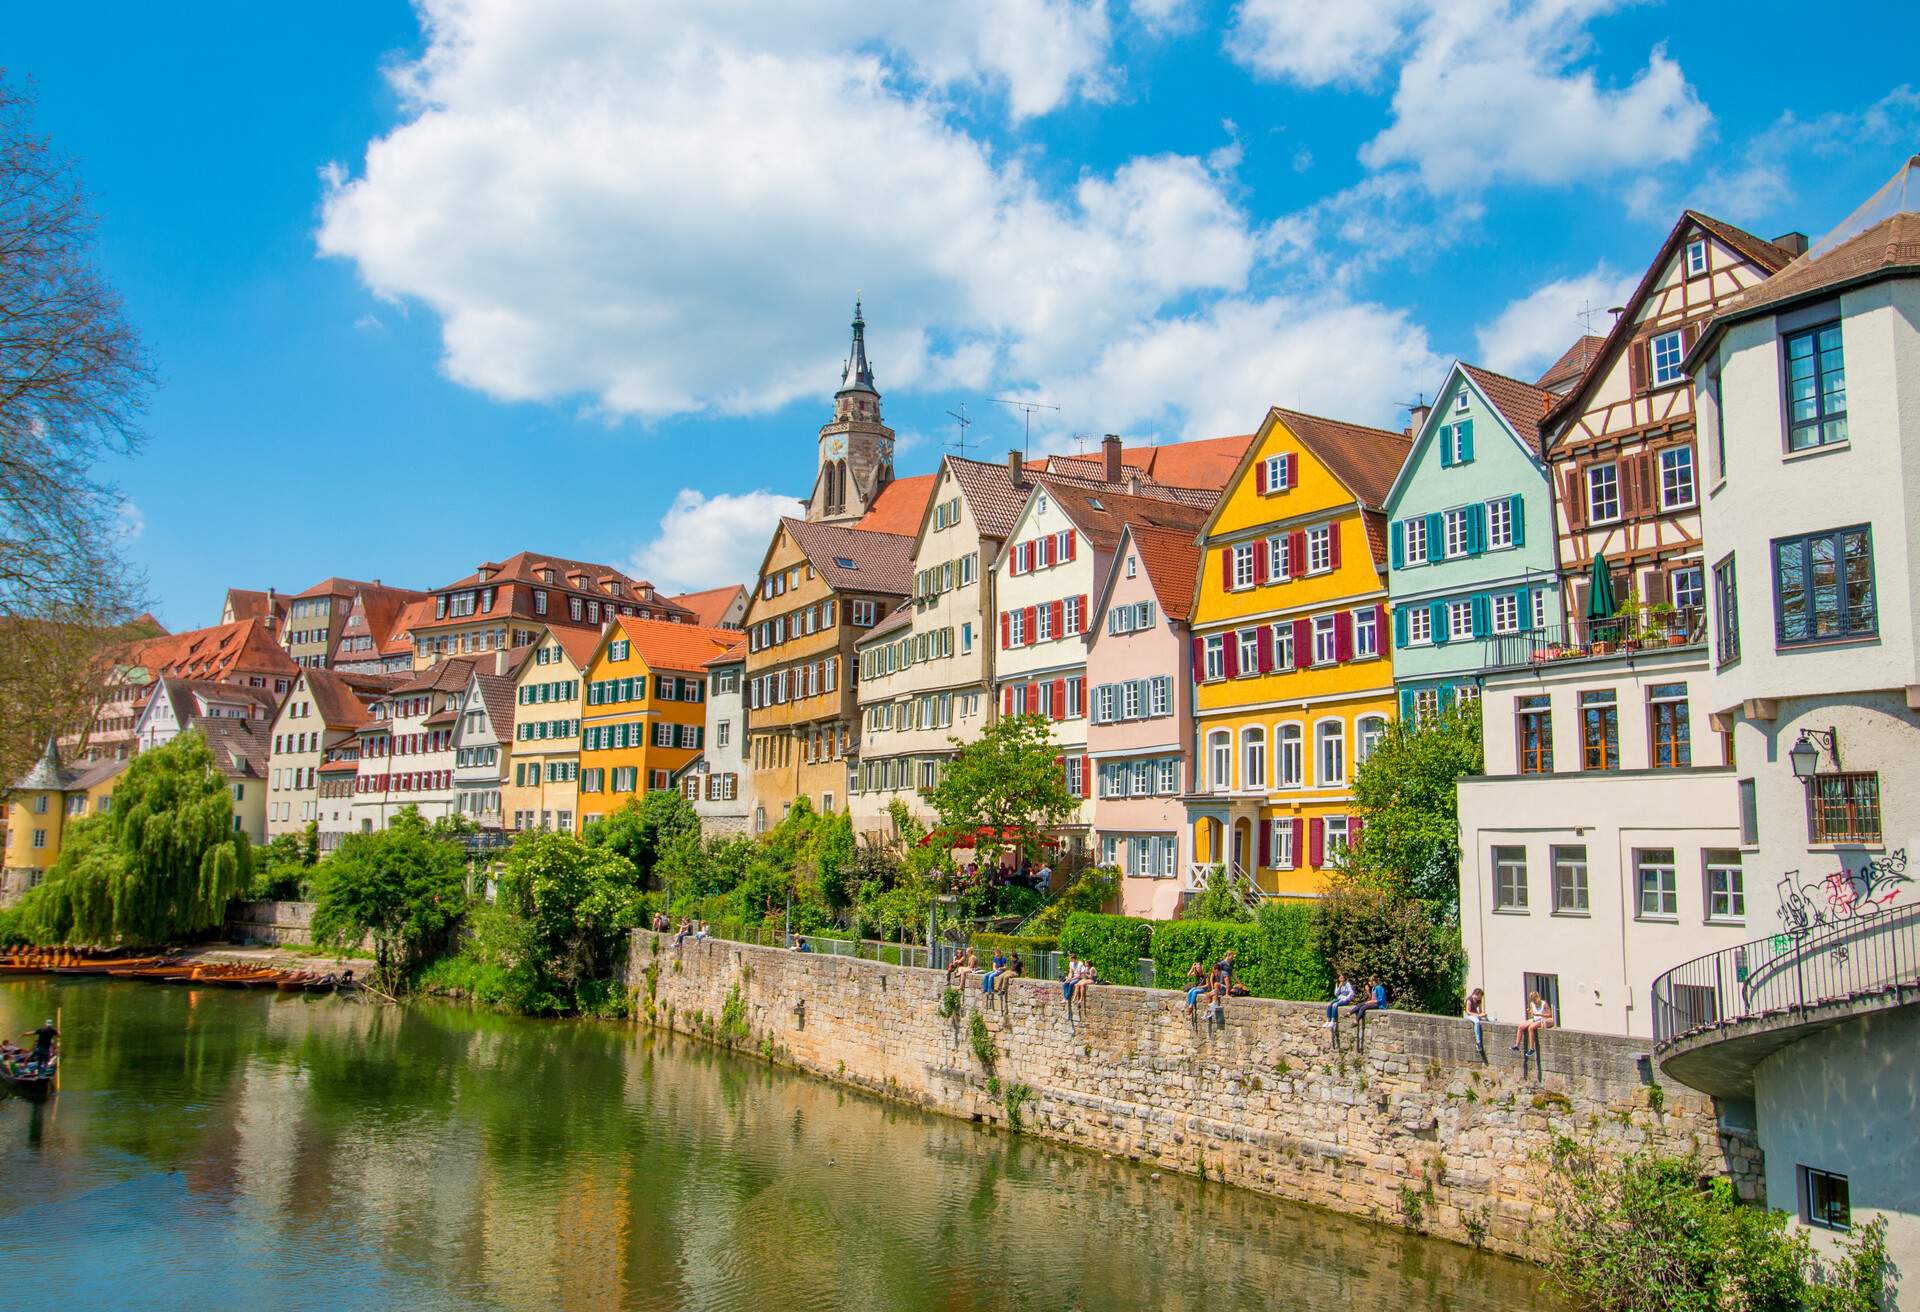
[{"x": 1140, "y": 724}]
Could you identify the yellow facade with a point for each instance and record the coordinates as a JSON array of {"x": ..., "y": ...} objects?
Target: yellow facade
[
  {"x": 643, "y": 711},
  {"x": 1295, "y": 681},
  {"x": 37, "y": 821},
  {"x": 542, "y": 788}
]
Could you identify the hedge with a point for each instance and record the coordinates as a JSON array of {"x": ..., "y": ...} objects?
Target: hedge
[
  {"x": 1114, "y": 944},
  {"x": 985, "y": 945},
  {"x": 1275, "y": 956}
]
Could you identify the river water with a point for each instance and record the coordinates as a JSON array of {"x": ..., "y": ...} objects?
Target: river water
[{"x": 239, "y": 1149}]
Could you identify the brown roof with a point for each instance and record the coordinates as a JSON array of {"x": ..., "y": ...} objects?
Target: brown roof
[
  {"x": 1764, "y": 255},
  {"x": 262, "y": 703},
  {"x": 337, "y": 699},
  {"x": 733, "y": 655},
  {"x": 664, "y": 645},
  {"x": 239, "y": 746},
  {"x": 1522, "y": 405},
  {"x": 1206, "y": 462},
  {"x": 996, "y": 503},
  {"x": 710, "y": 607},
  {"x": 252, "y": 604},
  {"x": 1376, "y": 525},
  {"x": 990, "y": 494},
  {"x": 1172, "y": 561},
  {"x": 496, "y": 690},
  {"x": 579, "y": 642},
  {"x": 335, "y": 587},
  {"x": 893, "y": 623},
  {"x": 900, "y": 506},
  {"x": 1879, "y": 238},
  {"x": 875, "y": 562},
  {"x": 211, "y": 653},
  {"x": 1101, "y": 513},
  {"x": 514, "y": 578},
  {"x": 399, "y": 636},
  {"x": 1366, "y": 460},
  {"x": 1568, "y": 368},
  {"x": 450, "y": 675}
]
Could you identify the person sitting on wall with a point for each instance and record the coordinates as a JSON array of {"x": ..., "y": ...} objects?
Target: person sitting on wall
[
  {"x": 1342, "y": 995},
  {"x": 1476, "y": 1014},
  {"x": 1196, "y": 985},
  {"x": 800, "y": 943},
  {"x": 994, "y": 972},
  {"x": 1375, "y": 999},
  {"x": 1539, "y": 1017},
  {"x": 1016, "y": 968}
]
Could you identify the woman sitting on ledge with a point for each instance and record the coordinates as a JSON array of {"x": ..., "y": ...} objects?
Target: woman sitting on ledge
[
  {"x": 1539, "y": 1017},
  {"x": 988, "y": 980}
]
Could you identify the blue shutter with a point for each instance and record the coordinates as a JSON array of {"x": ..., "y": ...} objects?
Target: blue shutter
[
  {"x": 1436, "y": 536},
  {"x": 1463, "y": 445},
  {"x": 1523, "y": 598},
  {"x": 1516, "y": 512},
  {"x": 1446, "y": 696},
  {"x": 1400, "y": 626},
  {"x": 1406, "y": 703},
  {"x": 1476, "y": 529},
  {"x": 1399, "y": 534},
  {"x": 1482, "y": 616},
  {"x": 1446, "y": 446},
  {"x": 1438, "y": 613}
]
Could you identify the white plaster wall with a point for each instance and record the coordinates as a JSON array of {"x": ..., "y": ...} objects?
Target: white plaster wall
[
  {"x": 728, "y": 708},
  {"x": 1846, "y": 1100},
  {"x": 1631, "y": 678}
]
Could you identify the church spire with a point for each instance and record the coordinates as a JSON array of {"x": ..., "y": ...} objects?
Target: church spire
[{"x": 858, "y": 374}]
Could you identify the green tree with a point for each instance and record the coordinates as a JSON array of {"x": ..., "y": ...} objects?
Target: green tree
[
  {"x": 559, "y": 923},
  {"x": 163, "y": 863},
  {"x": 645, "y": 828},
  {"x": 1007, "y": 781},
  {"x": 1410, "y": 841},
  {"x": 1365, "y": 932},
  {"x": 404, "y": 885}
]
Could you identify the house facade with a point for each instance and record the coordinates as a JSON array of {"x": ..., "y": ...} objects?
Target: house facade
[
  {"x": 1290, "y": 651},
  {"x": 1621, "y": 442},
  {"x": 643, "y": 718},
  {"x": 542, "y": 790},
  {"x": 244, "y": 653},
  {"x": 406, "y": 747},
  {"x": 1140, "y": 715},
  {"x": 504, "y": 605},
  {"x": 323, "y": 709},
  {"x": 1470, "y": 536},
  {"x": 719, "y": 784},
  {"x": 41, "y": 805}
]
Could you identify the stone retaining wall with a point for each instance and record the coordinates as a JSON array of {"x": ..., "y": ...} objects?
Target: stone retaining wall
[
  {"x": 276, "y": 923},
  {"x": 1410, "y": 1127}
]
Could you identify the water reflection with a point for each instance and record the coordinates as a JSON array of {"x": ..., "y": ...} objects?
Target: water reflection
[{"x": 294, "y": 1150}]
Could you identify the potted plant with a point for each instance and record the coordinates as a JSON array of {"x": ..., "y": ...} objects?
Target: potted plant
[{"x": 1663, "y": 622}]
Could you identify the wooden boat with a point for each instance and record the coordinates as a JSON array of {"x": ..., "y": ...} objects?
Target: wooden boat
[{"x": 27, "y": 1086}]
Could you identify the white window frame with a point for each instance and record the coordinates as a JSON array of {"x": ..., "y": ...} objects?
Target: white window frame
[
  {"x": 1366, "y": 633},
  {"x": 1242, "y": 566},
  {"x": 1696, "y": 257},
  {"x": 1611, "y": 490},
  {"x": 1505, "y": 612},
  {"x": 1413, "y": 547},
  {"x": 1253, "y": 757},
  {"x": 1289, "y": 754},
  {"x": 1214, "y": 659},
  {"x": 1453, "y": 531},
  {"x": 1664, "y": 355},
  {"x": 1220, "y": 754},
  {"x": 1459, "y": 621},
  {"x": 1319, "y": 549},
  {"x": 1369, "y": 731},
  {"x": 1499, "y": 523},
  {"x": 1671, "y": 459},
  {"x": 1276, "y": 474},
  {"x": 1325, "y": 640},
  {"x": 1419, "y": 627},
  {"x": 1322, "y": 741}
]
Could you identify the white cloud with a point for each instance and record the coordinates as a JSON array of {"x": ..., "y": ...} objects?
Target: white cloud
[
  {"x": 1533, "y": 331},
  {"x": 1165, "y": 17},
  {"x": 129, "y": 523},
  {"x": 705, "y": 542},
  {"x": 660, "y": 208},
  {"x": 1315, "y": 44}
]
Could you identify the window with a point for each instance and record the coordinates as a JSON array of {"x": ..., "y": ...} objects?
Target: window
[
  {"x": 39, "y": 838},
  {"x": 1603, "y": 493},
  {"x": 1676, "y": 478},
  {"x": 1426, "y": 705},
  {"x": 1319, "y": 549},
  {"x": 1816, "y": 389},
  {"x": 1419, "y": 626},
  {"x": 1336, "y": 836},
  {"x": 1599, "y": 730},
  {"x": 1283, "y": 645},
  {"x": 1500, "y": 522},
  {"x": 1215, "y": 663},
  {"x": 1326, "y": 648},
  {"x": 1823, "y": 587},
  {"x": 1540, "y": 609},
  {"x": 1653, "y": 873},
  {"x": 1534, "y": 714},
  {"x": 1726, "y": 604},
  {"x": 1454, "y": 533},
  {"x": 1667, "y": 723},
  {"x": 1289, "y": 746},
  {"x": 1220, "y": 760},
  {"x": 1284, "y": 857},
  {"x": 1459, "y": 620},
  {"x": 1547, "y": 986},
  {"x": 1726, "y": 886},
  {"x": 1330, "y": 752},
  {"x": 1243, "y": 566},
  {"x": 1824, "y": 1200},
  {"x": 1570, "y": 881},
  {"x": 1416, "y": 541},
  {"x": 1369, "y": 731},
  {"x": 1844, "y": 807},
  {"x": 1253, "y": 758},
  {"x": 1366, "y": 633},
  {"x": 1509, "y": 879},
  {"x": 1666, "y": 354},
  {"x": 1506, "y": 613},
  {"x": 1133, "y": 566},
  {"x": 1277, "y": 473},
  {"x": 1696, "y": 257},
  {"x": 1687, "y": 587}
]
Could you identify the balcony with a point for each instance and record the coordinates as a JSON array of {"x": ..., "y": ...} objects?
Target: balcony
[{"x": 1596, "y": 639}]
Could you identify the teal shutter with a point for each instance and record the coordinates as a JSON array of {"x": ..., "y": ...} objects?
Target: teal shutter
[
  {"x": 1438, "y": 618},
  {"x": 1399, "y": 535},
  {"x": 1446, "y": 696},
  {"x": 1406, "y": 703},
  {"x": 1463, "y": 442},
  {"x": 1482, "y": 616},
  {"x": 1400, "y": 626},
  {"x": 1476, "y": 529},
  {"x": 1523, "y": 598},
  {"x": 1436, "y": 536},
  {"x": 1517, "y": 514},
  {"x": 1446, "y": 446}
]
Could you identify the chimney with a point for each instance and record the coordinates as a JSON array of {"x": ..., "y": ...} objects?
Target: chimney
[
  {"x": 1016, "y": 469},
  {"x": 1417, "y": 415},
  {"x": 1110, "y": 452},
  {"x": 1133, "y": 482},
  {"x": 1794, "y": 243},
  {"x": 500, "y": 660},
  {"x": 269, "y": 622}
]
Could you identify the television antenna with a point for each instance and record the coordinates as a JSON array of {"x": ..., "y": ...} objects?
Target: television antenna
[
  {"x": 960, "y": 417},
  {"x": 1419, "y": 403},
  {"x": 1026, "y": 408}
]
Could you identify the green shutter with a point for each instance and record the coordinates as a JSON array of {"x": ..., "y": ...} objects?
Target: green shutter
[
  {"x": 1516, "y": 513},
  {"x": 1476, "y": 529},
  {"x": 1400, "y": 626},
  {"x": 1464, "y": 445},
  {"x": 1482, "y": 616},
  {"x": 1446, "y": 446},
  {"x": 1437, "y": 613},
  {"x": 1399, "y": 534}
]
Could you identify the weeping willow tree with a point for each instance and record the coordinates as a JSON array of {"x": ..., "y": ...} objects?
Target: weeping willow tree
[{"x": 162, "y": 864}]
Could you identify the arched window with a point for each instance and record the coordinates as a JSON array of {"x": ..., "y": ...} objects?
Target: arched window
[
  {"x": 1253, "y": 758},
  {"x": 1330, "y": 752},
  {"x": 1220, "y": 760},
  {"x": 1289, "y": 751},
  {"x": 1368, "y": 733}
]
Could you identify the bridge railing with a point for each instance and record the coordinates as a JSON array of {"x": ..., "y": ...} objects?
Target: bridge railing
[{"x": 1866, "y": 953}]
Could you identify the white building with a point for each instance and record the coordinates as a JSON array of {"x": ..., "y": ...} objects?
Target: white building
[
  {"x": 718, "y": 782},
  {"x": 406, "y": 748},
  {"x": 482, "y": 739}
]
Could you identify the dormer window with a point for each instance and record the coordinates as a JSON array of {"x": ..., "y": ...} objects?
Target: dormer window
[{"x": 1460, "y": 401}]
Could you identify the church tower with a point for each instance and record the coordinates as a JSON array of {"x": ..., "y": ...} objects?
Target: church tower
[{"x": 856, "y": 449}]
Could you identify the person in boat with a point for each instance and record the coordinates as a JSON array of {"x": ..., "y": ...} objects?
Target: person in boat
[{"x": 45, "y": 1039}]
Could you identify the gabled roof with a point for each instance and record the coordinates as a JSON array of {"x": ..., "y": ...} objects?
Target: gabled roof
[
  {"x": 336, "y": 587},
  {"x": 514, "y": 578},
  {"x": 1365, "y": 460},
  {"x": 1762, "y": 254},
  {"x": 254, "y": 604},
  {"x": 578, "y": 642},
  {"x": 710, "y": 607},
  {"x": 899, "y": 507},
  {"x": 239, "y": 746},
  {"x": 211, "y": 653},
  {"x": 874, "y": 562},
  {"x": 1522, "y": 405},
  {"x": 187, "y": 696},
  {"x": 336, "y": 700},
  {"x": 990, "y": 494},
  {"x": 733, "y": 655},
  {"x": 1566, "y": 371},
  {"x": 1206, "y": 462},
  {"x": 664, "y": 645},
  {"x": 399, "y": 636},
  {"x": 1171, "y": 559},
  {"x": 1102, "y": 514},
  {"x": 450, "y": 675},
  {"x": 496, "y": 691},
  {"x": 1879, "y": 239}
]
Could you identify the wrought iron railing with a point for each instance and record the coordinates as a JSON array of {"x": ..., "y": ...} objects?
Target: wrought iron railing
[
  {"x": 1870, "y": 951},
  {"x": 1590, "y": 638}
]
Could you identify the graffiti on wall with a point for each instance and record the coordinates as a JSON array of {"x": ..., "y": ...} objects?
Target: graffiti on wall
[{"x": 1846, "y": 894}]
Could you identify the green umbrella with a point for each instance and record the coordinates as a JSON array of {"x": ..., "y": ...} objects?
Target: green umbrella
[{"x": 1601, "y": 603}]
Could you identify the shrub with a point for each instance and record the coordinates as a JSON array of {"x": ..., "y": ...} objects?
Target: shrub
[
  {"x": 1114, "y": 944},
  {"x": 981, "y": 1040},
  {"x": 1371, "y": 933},
  {"x": 987, "y": 944},
  {"x": 1275, "y": 956}
]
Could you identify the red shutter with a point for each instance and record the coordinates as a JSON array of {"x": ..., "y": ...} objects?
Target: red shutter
[
  {"x": 1059, "y": 619},
  {"x": 1230, "y": 653},
  {"x": 1299, "y": 852},
  {"x": 1302, "y": 644},
  {"x": 1572, "y": 497},
  {"x": 1199, "y": 659},
  {"x": 1059, "y": 699},
  {"x": 1072, "y": 538},
  {"x": 1226, "y": 569},
  {"x": 1085, "y": 602},
  {"x": 1297, "y": 552},
  {"x": 1046, "y": 550},
  {"x": 1343, "y": 636},
  {"x": 1260, "y": 486},
  {"x": 1006, "y": 701},
  {"x": 1637, "y": 371},
  {"x": 1265, "y": 644},
  {"x": 1033, "y": 625},
  {"x": 1333, "y": 543},
  {"x": 1006, "y": 630},
  {"x": 1031, "y": 700},
  {"x": 1259, "y": 564},
  {"x": 1381, "y": 641},
  {"x": 1293, "y": 469},
  {"x": 1266, "y": 843},
  {"x": 1353, "y": 832},
  {"x": 1316, "y": 842},
  {"x": 1086, "y": 777}
]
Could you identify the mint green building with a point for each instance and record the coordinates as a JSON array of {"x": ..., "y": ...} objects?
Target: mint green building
[{"x": 1470, "y": 539}]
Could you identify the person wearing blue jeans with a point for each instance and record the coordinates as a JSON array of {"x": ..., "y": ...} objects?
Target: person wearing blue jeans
[
  {"x": 1342, "y": 995},
  {"x": 1376, "y": 999}
]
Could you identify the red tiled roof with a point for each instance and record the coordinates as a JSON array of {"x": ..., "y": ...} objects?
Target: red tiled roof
[
  {"x": 1172, "y": 561},
  {"x": 710, "y": 607},
  {"x": 876, "y": 562},
  {"x": 664, "y": 645},
  {"x": 336, "y": 699},
  {"x": 1568, "y": 368},
  {"x": 899, "y": 619},
  {"x": 496, "y": 690},
  {"x": 733, "y": 655},
  {"x": 1102, "y": 513},
  {"x": 211, "y": 653},
  {"x": 400, "y": 636},
  {"x": 1206, "y": 462},
  {"x": 253, "y": 604},
  {"x": 1366, "y": 460},
  {"x": 899, "y": 507},
  {"x": 514, "y": 578},
  {"x": 1522, "y": 405},
  {"x": 577, "y": 641}
]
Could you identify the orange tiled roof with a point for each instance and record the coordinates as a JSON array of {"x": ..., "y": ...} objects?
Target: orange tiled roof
[
  {"x": 399, "y": 638},
  {"x": 1172, "y": 561},
  {"x": 899, "y": 507},
  {"x": 732, "y": 655},
  {"x": 664, "y": 645},
  {"x": 1523, "y": 405},
  {"x": 710, "y": 607},
  {"x": 212, "y": 653}
]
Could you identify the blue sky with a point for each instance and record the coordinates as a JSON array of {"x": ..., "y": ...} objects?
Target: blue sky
[{"x": 428, "y": 285}]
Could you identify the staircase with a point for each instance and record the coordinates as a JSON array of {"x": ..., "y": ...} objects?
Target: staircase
[{"x": 1200, "y": 875}]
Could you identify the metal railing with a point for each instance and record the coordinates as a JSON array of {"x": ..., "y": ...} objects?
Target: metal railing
[
  {"x": 1861, "y": 954},
  {"x": 1591, "y": 638}
]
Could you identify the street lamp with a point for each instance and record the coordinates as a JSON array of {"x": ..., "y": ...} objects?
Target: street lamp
[{"x": 1805, "y": 756}]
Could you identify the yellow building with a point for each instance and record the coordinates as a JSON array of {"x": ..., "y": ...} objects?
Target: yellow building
[
  {"x": 542, "y": 788},
  {"x": 644, "y": 712},
  {"x": 40, "y": 808},
  {"x": 1290, "y": 650}
]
